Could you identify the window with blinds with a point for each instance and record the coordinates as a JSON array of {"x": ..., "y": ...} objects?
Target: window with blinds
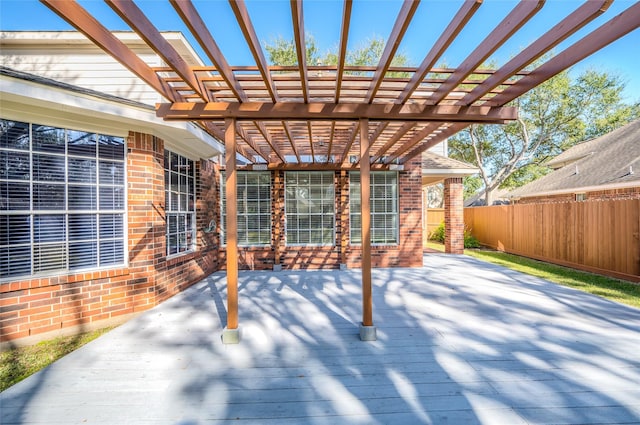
[
  {"x": 384, "y": 208},
  {"x": 62, "y": 200},
  {"x": 310, "y": 208},
  {"x": 253, "y": 210},
  {"x": 180, "y": 202}
]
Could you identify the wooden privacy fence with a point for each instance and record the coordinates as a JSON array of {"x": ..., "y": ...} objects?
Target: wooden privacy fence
[{"x": 599, "y": 236}]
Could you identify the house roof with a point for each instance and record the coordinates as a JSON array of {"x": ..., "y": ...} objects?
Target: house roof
[
  {"x": 607, "y": 162},
  {"x": 322, "y": 115},
  {"x": 434, "y": 162},
  {"x": 478, "y": 199},
  {"x": 437, "y": 167},
  {"x": 573, "y": 154}
]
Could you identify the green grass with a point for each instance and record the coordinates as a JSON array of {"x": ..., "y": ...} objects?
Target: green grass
[
  {"x": 617, "y": 290},
  {"x": 18, "y": 363}
]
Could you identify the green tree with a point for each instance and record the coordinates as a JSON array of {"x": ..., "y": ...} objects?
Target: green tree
[
  {"x": 552, "y": 117},
  {"x": 283, "y": 52}
]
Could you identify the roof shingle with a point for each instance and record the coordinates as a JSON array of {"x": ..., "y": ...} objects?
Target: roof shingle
[{"x": 608, "y": 161}]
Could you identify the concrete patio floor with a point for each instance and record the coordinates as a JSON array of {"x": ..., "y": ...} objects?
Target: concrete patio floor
[{"x": 459, "y": 342}]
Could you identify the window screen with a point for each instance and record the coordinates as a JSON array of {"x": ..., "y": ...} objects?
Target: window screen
[{"x": 62, "y": 199}]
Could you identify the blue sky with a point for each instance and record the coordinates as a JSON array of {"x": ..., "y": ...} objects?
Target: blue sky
[{"x": 370, "y": 18}]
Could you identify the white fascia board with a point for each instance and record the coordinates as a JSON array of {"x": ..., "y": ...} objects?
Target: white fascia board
[
  {"x": 450, "y": 172},
  {"x": 30, "y": 101}
]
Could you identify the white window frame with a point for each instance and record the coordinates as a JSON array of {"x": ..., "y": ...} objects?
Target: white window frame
[
  {"x": 383, "y": 206},
  {"x": 180, "y": 204},
  {"x": 59, "y": 218},
  {"x": 307, "y": 202},
  {"x": 249, "y": 194}
]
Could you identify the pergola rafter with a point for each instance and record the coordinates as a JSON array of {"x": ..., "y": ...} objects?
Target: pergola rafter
[
  {"x": 403, "y": 20},
  {"x": 320, "y": 96},
  {"x": 307, "y": 110},
  {"x": 519, "y": 16}
]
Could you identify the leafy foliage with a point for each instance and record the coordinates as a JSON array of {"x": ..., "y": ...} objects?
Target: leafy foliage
[
  {"x": 283, "y": 52},
  {"x": 471, "y": 185},
  {"x": 470, "y": 241},
  {"x": 553, "y": 117}
]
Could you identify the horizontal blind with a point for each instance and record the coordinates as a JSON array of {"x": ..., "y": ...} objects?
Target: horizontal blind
[
  {"x": 310, "y": 208},
  {"x": 57, "y": 186},
  {"x": 179, "y": 177},
  {"x": 253, "y": 208},
  {"x": 383, "y": 204}
]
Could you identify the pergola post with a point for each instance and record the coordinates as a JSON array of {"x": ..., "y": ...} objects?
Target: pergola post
[
  {"x": 367, "y": 330},
  {"x": 231, "y": 333}
]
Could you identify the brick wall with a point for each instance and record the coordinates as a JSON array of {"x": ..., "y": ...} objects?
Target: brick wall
[
  {"x": 408, "y": 253},
  {"x": 75, "y": 302},
  {"x": 453, "y": 216},
  {"x": 599, "y": 195}
]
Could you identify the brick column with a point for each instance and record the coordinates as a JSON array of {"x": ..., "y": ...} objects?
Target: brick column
[
  {"x": 453, "y": 216},
  {"x": 278, "y": 237},
  {"x": 145, "y": 166}
]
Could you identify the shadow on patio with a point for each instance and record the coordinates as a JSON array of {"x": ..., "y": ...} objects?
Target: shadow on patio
[{"x": 459, "y": 342}]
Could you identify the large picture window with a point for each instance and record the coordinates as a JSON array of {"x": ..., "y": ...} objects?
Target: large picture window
[
  {"x": 253, "y": 210},
  {"x": 179, "y": 197},
  {"x": 384, "y": 207},
  {"x": 62, "y": 200},
  {"x": 310, "y": 208}
]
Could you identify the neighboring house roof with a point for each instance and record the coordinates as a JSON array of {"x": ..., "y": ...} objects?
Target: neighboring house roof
[
  {"x": 437, "y": 167},
  {"x": 610, "y": 161},
  {"x": 574, "y": 153},
  {"x": 477, "y": 200}
]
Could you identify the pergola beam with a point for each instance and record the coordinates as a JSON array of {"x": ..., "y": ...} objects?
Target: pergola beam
[
  {"x": 569, "y": 25},
  {"x": 403, "y": 20},
  {"x": 608, "y": 32},
  {"x": 198, "y": 28},
  {"x": 468, "y": 8},
  {"x": 503, "y": 31},
  {"x": 393, "y": 140},
  {"x": 301, "y": 48},
  {"x": 415, "y": 140},
  {"x": 437, "y": 138},
  {"x": 265, "y": 134},
  {"x": 332, "y": 112},
  {"x": 249, "y": 141},
  {"x": 310, "y": 132},
  {"x": 331, "y": 136},
  {"x": 80, "y": 19},
  {"x": 342, "y": 52},
  {"x": 242, "y": 16},
  {"x": 137, "y": 20},
  {"x": 350, "y": 140},
  {"x": 287, "y": 130}
]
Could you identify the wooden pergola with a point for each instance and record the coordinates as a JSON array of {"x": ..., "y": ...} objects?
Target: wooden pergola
[{"x": 341, "y": 117}]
